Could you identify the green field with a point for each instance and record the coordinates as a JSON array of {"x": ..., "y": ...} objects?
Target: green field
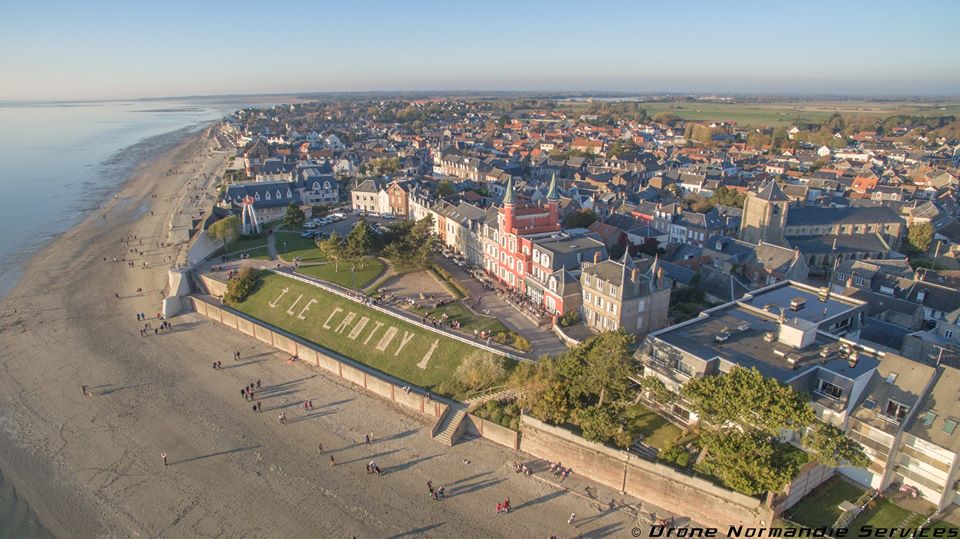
[
  {"x": 296, "y": 246},
  {"x": 780, "y": 114},
  {"x": 657, "y": 431},
  {"x": 361, "y": 331},
  {"x": 350, "y": 276}
]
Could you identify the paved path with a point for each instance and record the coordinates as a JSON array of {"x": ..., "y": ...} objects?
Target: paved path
[{"x": 543, "y": 340}]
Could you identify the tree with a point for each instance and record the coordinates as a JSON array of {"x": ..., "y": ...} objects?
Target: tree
[
  {"x": 580, "y": 219},
  {"x": 294, "y": 217},
  {"x": 361, "y": 243},
  {"x": 225, "y": 230},
  {"x": 920, "y": 236},
  {"x": 333, "y": 248},
  {"x": 833, "y": 448},
  {"x": 728, "y": 197},
  {"x": 446, "y": 189},
  {"x": 748, "y": 462},
  {"x": 747, "y": 398}
]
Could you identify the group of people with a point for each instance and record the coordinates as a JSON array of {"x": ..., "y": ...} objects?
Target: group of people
[
  {"x": 559, "y": 471},
  {"x": 435, "y": 493},
  {"x": 522, "y": 468},
  {"x": 504, "y": 506},
  {"x": 145, "y": 330},
  {"x": 373, "y": 468}
]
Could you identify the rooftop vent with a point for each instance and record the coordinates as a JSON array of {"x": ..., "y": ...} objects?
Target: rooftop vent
[
  {"x": 797, "y": 303},
  {"x": 769, "y": 336},
  {"x": 823, "y": 294},
  {"x": 853, "y": 358},
  {"x": 826, "y": 351},
  {"x": 743, "y": 326},
  {"x": 722, "y": 336},
  {"x": 891, "y": 378},
  {"x": 793, "y": 360}
]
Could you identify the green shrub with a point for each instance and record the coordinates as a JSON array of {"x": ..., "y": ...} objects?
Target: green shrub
[
  {"x": 568, "y": 319},
  {"x": 242, "y": 285},
  {"x": 676, "y": 455}
]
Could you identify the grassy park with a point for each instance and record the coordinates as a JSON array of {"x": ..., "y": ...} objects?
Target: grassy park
[
  {"x": 291, "y": 245},
  {"x": 357, "y": 339},
  {"x": 349, "y": 275},
  {"x": 822, "y": 506}
]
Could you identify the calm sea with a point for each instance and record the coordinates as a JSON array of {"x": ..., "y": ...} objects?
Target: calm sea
[{"x": 58, "y": 161}]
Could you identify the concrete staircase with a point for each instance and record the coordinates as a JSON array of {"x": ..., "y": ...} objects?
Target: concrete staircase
[
  {"x": 500, "y": 394},
  {"x": 449, "y": 428}
]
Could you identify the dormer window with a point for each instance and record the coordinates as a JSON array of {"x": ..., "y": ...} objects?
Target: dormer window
[
  {"x": 256, "y": 196},
  {"x": 316, "y": 186},
  {"x": 267, "y": 195},
  {"x": 279, "y": 196},
  {"x": 896, "y": 411}
]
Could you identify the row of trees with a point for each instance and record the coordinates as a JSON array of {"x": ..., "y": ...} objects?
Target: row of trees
[{"x": 406, "y": 244}]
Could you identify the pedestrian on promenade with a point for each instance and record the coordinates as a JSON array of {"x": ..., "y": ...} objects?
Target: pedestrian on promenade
[{"x": 164, "y": 457}]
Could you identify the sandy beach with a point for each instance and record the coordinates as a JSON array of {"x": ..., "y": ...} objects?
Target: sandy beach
[{"x": 90, "y": 465}]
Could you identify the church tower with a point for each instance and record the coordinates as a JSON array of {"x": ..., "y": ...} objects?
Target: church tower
[
  {"x": 765, "y": 216},
  {"x": 509, "y": 204}
]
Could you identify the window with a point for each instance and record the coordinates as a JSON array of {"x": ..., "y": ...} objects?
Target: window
[
  {"x": 897, "y": 411},
  {"x": 830, "y": 390},
  {"x": 841, "y": 275},
  {"x": 928, "y": 418},
  {"x": 858, "y": 281},
  {"x": 613, "y": 290},
  {"x": 948, "y": 333},
  {"x": 949, "y": 425},
  {"x": 680, "y": 366}
]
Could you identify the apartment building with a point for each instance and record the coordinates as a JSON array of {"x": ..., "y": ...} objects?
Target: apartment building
[{"x": 619, "y": 295}]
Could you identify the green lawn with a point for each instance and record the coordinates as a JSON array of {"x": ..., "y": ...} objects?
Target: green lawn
[
  {"x": 820, "y": 507},
  {"x": 349, "y": 276},
  {"x": 469, "y": 321},
  {"x": 657, "y": 431},
  {"x": 297, "y": 246},
  {"x": 886, "y": 514},
  {"x": 259, "y": 253},
  {"x": 321, "y": 322}
]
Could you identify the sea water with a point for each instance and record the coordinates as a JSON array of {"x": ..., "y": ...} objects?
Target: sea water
[{"x": 58, "y": 162}]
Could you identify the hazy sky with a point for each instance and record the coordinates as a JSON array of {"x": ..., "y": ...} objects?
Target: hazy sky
[{"x": 81, "y": 50}]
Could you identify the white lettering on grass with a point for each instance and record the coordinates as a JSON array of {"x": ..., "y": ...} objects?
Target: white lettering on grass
[
  {"x": 357, "y": 329},
  {"x": 376, "y": 327},
  {"x": 428, "y": 355},
  {"x": 305, "y": 307},
  {"x": 346, "y": 322},
  {"x": 273, "y": 304},
  {"x": 406, "y": 338},
  {"x": 326, "y": 325},
  {"x": 290, "y": 310},
  {"x": 387, "y": 337}
]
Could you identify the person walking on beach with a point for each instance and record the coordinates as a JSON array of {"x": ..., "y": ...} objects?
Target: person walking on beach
[
  {"x": 258, "y": 384},
  {"x": 283, "y": 418},
  {"x": 258, "y": 406},
  {"x": 320, "y": 448},
  {"x": 163, "y": 455},
  {"x": 506, "y": 505},
  {"x": 243, "y": 393},
  {"x": 573, "y": 516},
  {"x": 84, "y": 388},
  {"x": 332, "y": 461},
  {"x": 366, "y": 438}
]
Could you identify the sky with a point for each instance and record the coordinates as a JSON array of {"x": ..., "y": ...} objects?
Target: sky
[{"x": 52, "y": 50}]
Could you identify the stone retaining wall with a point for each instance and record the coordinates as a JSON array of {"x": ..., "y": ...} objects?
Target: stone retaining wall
[
  {"x": 700, "y": 500},
  {"x": 375, "y": 382},
  {"x": 499, "y": 434}
]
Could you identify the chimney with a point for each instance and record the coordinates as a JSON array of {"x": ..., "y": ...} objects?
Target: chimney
[
  {"x": 596, "y": 257},
  {"x": 850, "y": 280},
  {"x": 853, "y": 358},
  {"x": 634, "y": 273}
]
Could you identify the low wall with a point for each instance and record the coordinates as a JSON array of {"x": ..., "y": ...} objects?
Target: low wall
[
  {"x": 567, "y": 340},
  {"x": 489, "y": 430},
  {"x": 375, "y": 382},
  {"x": 702, "y": 501},
  {"x": 809, "y": 478}
]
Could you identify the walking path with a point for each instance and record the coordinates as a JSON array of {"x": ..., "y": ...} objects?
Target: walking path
[{"x": 542, "y": 339}]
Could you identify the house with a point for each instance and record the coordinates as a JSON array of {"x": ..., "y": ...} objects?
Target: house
[
  {"x": 620, "y": 295},
  {"x": 556, "y": 258},
  {"x": 364, "y": 197},
  {"x": 271, "y": 199}
]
